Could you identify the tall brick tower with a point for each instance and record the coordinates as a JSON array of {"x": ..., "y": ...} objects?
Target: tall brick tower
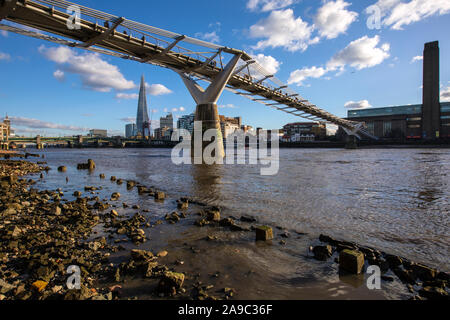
[{"x": 431, "y": 109}]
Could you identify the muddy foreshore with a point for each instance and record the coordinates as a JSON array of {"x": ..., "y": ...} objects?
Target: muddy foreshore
[{"x": 42, "y": 234}]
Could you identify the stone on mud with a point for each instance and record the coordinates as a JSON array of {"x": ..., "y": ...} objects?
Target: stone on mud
[
  {"x": 351, "y": 261},
  {"x": 264, "y": 233},
  {"x": 322, "y": 253},
  {"x": 170, "y": 283}
]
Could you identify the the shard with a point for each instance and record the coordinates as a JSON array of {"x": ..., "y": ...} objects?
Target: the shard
[{"x": 142, "y": 112}]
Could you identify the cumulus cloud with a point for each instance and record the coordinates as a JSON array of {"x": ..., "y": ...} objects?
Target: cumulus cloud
[
  {"x": 4, "y": 56},
  {"x": 397, "y": 13},
  {"x": 269, "y": 63},
  {"x": 282, "y": 29},
  {"x": 269, "y": 5},
  {"x": 3, "y": 33},
  {"x": 59, "y": 75},
  {"x": 157, "y": 89},
  {"x": 229, "y": 106},
  {"x": 416, "y": 58},
  {"x": 359, "y": 54},
  {"x": 39, "y": 124},
  {"x": 363, "y": 104},
  {"x": 208, "y": 36},
  {"x": 129, "y": 119},
  {"x": 182, "y": 109},
  {"x": 445, "y": 95},
  {"x": 127, "y": 96},
  {"x": 333, "y": 18},
  {"x": 95, "y": 73},
  {"x": 298, "y": 76}
]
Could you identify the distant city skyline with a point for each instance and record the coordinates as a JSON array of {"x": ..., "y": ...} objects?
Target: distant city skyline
[{"x": 324, "y": 50}]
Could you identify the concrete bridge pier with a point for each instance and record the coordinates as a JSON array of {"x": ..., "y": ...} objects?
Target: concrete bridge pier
[
  {"x": 207, "y": 111},
  {"x": 351, "y": 142}
]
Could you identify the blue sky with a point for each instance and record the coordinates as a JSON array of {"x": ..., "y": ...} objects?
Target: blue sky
[{"x": 324, "y": 49}]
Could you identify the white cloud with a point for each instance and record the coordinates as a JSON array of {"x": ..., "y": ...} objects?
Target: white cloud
[
  {"x": 269, "y": 63},
  {"x": 416, "y": 58},
  {"x": 3, "y": 33},
  {"x": 4, "y": 56},
  {"x": 333, "y": 18},
  {"x": 182, "y": 109},
  {"x": 298, "y": 76},
  {"x": 445, "y": 95},
  {"x": 129, "y": 119},
  {"x": 157, "y": 89},
  {"x": 282, "y": 29},
  {"x": 269, "y": 5},
  {"x": 208, "y": 36},
  {"x": 229, "y": 106},
  {"x": 59, "y": 75},
  {"x": 95, "y": 73},
  {"x": 398, "y": 13},
  {"x": 38, "y": 124},
  {"x": 363, "y": 104},
  {"x": 127, "y": 96},
  {"x": 360, "y": 54}
]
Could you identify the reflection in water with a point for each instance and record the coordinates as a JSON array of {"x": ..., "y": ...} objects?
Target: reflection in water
[{"x": 206, "y": 179}]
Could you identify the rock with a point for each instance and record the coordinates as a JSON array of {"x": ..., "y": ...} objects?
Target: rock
[
  {"x": 90, "y": 165},
  {"x": 62, "y": 169},
  {"x": 141, "y": 255},
  {"x": 102, "y": 176},
  {"x": 5, "y": 287},
  {"x": 406, "y": 276},
  {"x": 113, "y": 178},
  {"x": 130, "y": 184},
  {"x": 213, "y": 215},
  {"x": 247, "y": 219},
  {"x": 424, "y": 273},
  {"x": 264, "y": 233},
  {"x": 136, "y": 207},
  {"x": 39, "y": 285},
  {"x": 322, "y": 253},
  {"x": 77, "y": 194},
  {"x": 159, "y": 195},
  {"x": 182, "y": 205},
  {"x": 170, "y": 283},
  {"x": 393, "y": 261},
  {"x": 173, "y": 217},
  {"x": 114, "y": 213},
  {"x": 351, "y": 261},
  {"x": 433, "y": 293},
  {"x": 162, "y": 254},
  {"x": 115, "y": 196},
  {"x": 151, "y": 269},
  {"x": 57, "y": 211}
]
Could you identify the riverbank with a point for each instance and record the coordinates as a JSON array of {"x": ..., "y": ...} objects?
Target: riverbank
[{"x": 178, "y": 248}]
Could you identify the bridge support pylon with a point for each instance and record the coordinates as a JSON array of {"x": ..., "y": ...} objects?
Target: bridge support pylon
[
  {"x": 206, "y": 110},
  {"x": 351, "y": 142}
]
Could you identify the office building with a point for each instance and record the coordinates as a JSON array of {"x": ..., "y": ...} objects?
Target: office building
[
  {"x": 98, "y": 133},
  {"x": 142, "y": 119},
  {"x": 166, "y": 121},
  {"x": 130, "y": 130}
]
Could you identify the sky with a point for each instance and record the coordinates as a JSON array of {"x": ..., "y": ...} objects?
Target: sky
[{"x": 337, "y": 54}]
